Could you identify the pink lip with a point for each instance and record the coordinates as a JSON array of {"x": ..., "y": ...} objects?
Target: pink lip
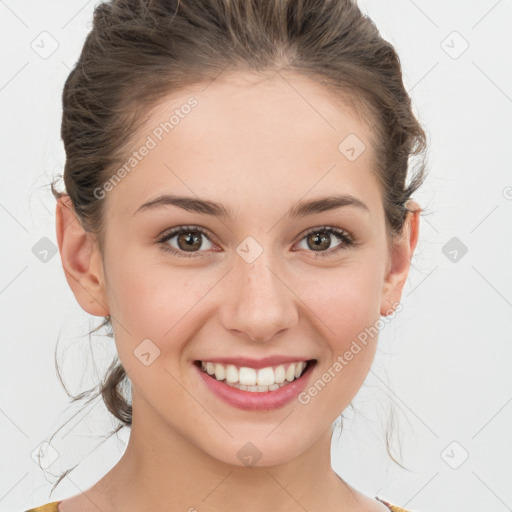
[
  {"x": 250, "y": 401},
  {"x": 257, "y": 363}
]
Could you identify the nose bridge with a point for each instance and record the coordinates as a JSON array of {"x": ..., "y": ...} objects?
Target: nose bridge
[
  {"x": 258, "y": 280},
  {"x": 259, "y": 302}
]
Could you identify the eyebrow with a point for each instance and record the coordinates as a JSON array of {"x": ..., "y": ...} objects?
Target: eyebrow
[{"x": 300, "y": 209}]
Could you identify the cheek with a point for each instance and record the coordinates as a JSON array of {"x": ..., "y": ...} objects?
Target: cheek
[
  {"x": 345, "y": 302},
  {"x": 346, "y": 307},
  {"x": 347, "y": 310},
  {"x": 159, "y": 307},
  {"x": 156, "y": 302}
]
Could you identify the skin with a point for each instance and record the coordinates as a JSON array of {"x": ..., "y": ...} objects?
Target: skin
[{"x": 255, "y": 145}]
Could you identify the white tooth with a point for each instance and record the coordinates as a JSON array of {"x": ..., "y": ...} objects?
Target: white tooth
[
  {"x": 247, "y": 376},
  {"x": 231, "y": 373},
  {"x": 210, "y": 368},
  {"x": 273, "y": 387},
  {"x": 290, "y": 372},
  {"x": 262, "y": 388},
  {"x": 265, "y": 376},
  {"x": 298, "y": 369},
  {"x": 203, "y": 366},
  {"x": 279, "y": 374},
  {"x": 252, "y": 388},
  {"x": 220, "y": 372},
  {"x": 242, "y": 387}
]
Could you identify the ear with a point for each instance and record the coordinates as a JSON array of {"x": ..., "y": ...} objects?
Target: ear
[
  {"x": 400, "y": 260},
  {"x": 81, "y": 259}
]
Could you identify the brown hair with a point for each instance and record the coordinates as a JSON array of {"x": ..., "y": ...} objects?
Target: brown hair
[{"x": 139, "y": 51}]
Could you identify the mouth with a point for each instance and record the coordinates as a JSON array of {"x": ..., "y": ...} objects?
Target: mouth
[
  {"x": 255, "y": 380},
  {"x": 253, "y": 388}
]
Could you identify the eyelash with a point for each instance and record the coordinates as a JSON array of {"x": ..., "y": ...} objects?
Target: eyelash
[{"x": 344, "y": 237}]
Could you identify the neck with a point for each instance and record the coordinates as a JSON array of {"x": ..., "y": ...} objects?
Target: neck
[{"x": 165, "y": 471}]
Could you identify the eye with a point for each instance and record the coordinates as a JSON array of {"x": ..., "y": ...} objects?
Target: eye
[
  {"x": 188, "y": 239},
  {"x": 320, "y": 239}
]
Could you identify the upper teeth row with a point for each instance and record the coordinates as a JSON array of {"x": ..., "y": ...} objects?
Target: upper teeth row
[{"x": 252, "y": 377}]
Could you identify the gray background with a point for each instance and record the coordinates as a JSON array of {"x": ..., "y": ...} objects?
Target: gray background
[{"x": 444, "y": 361}]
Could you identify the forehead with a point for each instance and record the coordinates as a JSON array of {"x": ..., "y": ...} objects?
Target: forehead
[{"x": 247, "y": 134}]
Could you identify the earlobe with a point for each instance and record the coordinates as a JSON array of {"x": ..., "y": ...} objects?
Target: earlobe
[
  {"x": 81, "y": 260},
  {"x": 400, "y": 260}
]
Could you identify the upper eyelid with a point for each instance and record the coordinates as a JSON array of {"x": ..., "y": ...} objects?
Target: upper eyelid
[
  {"x": 171, "y": 233},
  {"x": 327, "y": 227}
]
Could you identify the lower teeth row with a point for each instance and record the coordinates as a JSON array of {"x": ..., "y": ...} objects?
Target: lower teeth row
[{"x": 256, "y": 389}]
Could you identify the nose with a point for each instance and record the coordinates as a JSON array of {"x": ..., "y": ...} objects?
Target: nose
[{"x": 258, "y": 304}]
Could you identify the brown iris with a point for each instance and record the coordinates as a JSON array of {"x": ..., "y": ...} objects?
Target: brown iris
[
  {"x": 321, "y": 241},
  {"x": 190, "y": 240}
]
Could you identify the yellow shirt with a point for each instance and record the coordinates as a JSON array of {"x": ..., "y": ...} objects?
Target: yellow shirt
[{"x": 53, "y": 507}]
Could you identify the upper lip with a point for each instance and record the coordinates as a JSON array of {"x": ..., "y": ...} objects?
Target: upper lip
[{"x": 256, "y": 363}]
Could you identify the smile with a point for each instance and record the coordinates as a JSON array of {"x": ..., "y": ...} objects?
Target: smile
[
  {"x": 253, "y": 379},
  {"x": 250, "y": 388}
]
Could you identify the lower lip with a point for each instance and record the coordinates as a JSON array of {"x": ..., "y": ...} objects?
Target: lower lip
[{"x": 248, "y": 400}]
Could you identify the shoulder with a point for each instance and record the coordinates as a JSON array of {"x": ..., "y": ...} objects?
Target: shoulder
[
  {"x": 391, "y": 507},
  {"x": 54, "y": 507},
  {"x": 48, "y": 507}
]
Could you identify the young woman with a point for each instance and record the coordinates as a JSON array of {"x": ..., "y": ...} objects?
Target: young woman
[{"x": 237, "y": 209}]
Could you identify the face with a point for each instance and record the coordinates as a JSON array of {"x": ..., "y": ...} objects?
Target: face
[{"x": 256, "y": 282}]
